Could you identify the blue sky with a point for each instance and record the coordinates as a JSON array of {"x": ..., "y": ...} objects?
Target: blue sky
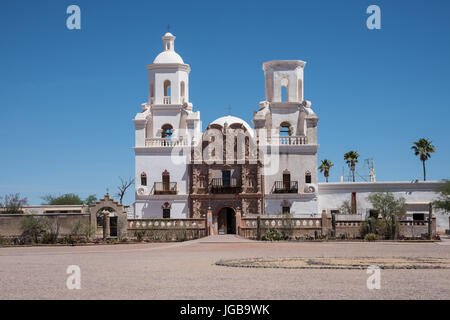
[{"x": 68, "y": 97}]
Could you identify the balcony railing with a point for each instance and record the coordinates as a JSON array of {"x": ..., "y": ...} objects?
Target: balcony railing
[
  {"x": 165, "y": 142},
  {"x": 226, "y": 186},
  {"x": 165, "y": 188},
  {"x": 166, "y": 100},
  {"x": 288, "y": 140},
  {"x": 285, "y": 187}
]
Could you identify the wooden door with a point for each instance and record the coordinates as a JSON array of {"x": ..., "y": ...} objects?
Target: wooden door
[{"x": 286, "y": 181}]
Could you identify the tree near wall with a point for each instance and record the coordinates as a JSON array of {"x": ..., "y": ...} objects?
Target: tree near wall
[
  {"x": 346, "y": 207},
  {"x": 12, "y": 203},
  {"x": 68, "y": 199},
  {"x": 423, "y": 148},
  {"x": 123, "y": 187},
  {"x": 391, "y": 210},
  {"x": 443, "y": 202}
]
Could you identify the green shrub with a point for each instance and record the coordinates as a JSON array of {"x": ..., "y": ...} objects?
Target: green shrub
[
  {"x": 139, "y": 234},
  {"x": 272, "y": 235},
  {"x": 33, "y": 227},
  {"x": 370, "y": 237},
  {"x": 49, "y": 237}
]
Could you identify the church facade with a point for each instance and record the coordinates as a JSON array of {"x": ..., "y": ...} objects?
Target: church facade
[{"x": 269, "y": 168}]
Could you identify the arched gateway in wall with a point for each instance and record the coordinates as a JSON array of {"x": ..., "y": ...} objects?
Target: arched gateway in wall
[{"x": 108, "y": 217}]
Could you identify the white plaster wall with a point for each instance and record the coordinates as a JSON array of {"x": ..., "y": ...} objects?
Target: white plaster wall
[
  {"x": 300, "y": 204},
  {"x": 153, "y": 164},
  {"x": 152, "y": 208},
  {"x": 332, "y": 195},
  {"x": 297, "y": 162}
]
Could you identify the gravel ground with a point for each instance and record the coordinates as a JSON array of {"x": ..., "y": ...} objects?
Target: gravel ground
[{"x": 188, "y": 271}]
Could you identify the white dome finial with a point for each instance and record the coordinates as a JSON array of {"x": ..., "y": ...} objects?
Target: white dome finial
[
  {"x": 169, "y": 42},
  {"x": 168, "y": 55}
]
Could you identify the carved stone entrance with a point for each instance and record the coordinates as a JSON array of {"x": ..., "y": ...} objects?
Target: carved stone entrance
[{"x": 226, "y": 221}]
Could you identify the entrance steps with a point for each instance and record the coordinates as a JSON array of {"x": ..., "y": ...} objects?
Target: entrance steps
[{"x": 226, "y": 238}]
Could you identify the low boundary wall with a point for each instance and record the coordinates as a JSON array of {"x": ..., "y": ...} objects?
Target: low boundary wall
[{"x": 11, "y": 224}]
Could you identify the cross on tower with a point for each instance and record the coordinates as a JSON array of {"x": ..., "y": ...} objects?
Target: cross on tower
[
  {"x": 168, "y": 28},
  {"x": 229, "y": 110}
]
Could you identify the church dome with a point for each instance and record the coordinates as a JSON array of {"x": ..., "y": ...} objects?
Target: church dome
[
  {"x": 168, "y": 55},
  {"x": 229, "y": 120}
]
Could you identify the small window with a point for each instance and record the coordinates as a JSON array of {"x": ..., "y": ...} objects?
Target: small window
[
  {"x": 286, "y": 210},
  {"x": 284, "y": 90},
  {"x": 166, "y": 213},
  {"x": 143, "y": 179},
  {"x": 418, "y": 216},
  {"x": 285, "y": 129},
  {"x": 226, "y": 178},
  {"x": 167, "y": 86},
  {"x": 166, "y": 131},
  {"x": 308, "y": 177}
]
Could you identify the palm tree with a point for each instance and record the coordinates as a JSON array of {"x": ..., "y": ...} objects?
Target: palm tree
[
  {"x": 325, "y": 167},
  {"x": 351, "y": 158},
  {"x": 423, "y": 148}
]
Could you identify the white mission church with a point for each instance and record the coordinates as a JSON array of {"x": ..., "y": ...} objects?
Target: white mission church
[{"x": 267, "y": 168}]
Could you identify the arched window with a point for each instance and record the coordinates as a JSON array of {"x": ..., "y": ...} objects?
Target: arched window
[
  {"x": 143, "y": 179},
  {"x": 308, "y": 177},
  {"x": 167, "y": 92},
  {"x": 285, "y": 129},
  {"x": 284, "y": 90},
  {"x": 166, "y": 131}
]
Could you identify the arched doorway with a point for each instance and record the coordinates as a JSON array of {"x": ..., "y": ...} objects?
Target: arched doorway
[
  {"x": 107, "y": 222},
  {"x": 226, "y": 221},
  {"x": 108, "y": 218}
]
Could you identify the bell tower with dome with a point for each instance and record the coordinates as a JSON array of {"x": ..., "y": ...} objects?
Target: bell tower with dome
[
  {"x": 168, "y": 76},
  {"x": 164, "y": 130}
]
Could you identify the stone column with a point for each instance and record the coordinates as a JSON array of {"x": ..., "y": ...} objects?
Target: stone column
[
  {"x": 238, "y": 221},
  {"x": 105, "y": 226},
  {"x": 209, "y": 222},
  {"x": 107, "y": 229}
]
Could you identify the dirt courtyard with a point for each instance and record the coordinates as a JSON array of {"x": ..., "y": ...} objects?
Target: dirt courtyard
[{"x": 188, "y": 271}]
